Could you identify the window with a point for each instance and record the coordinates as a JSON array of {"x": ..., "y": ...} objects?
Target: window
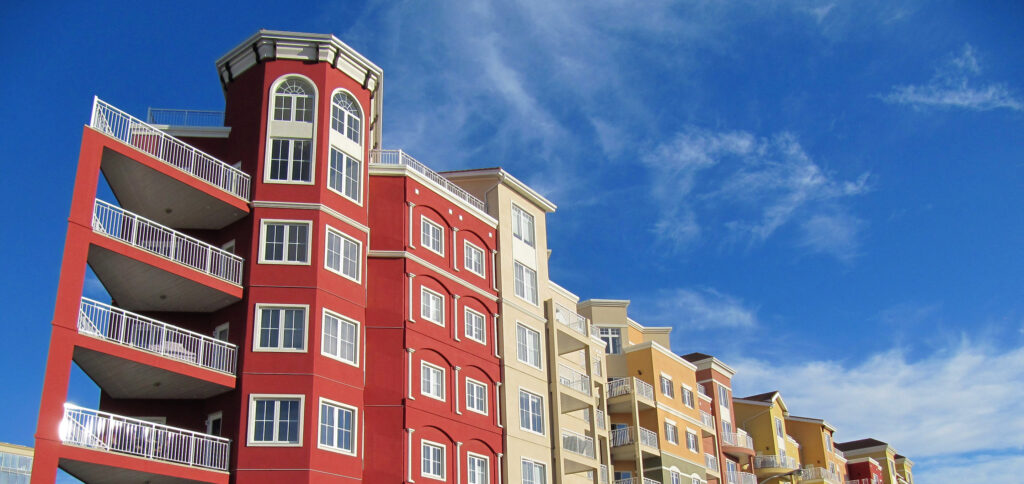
[
  {"x": 623, "y": 476},
  {"x": 531, "y": 412},
  {"x": 285, "y": 242},
  {"x": 343, "y": 254},
  {"x": 534, "y": 472},
  {"x": 723, "y": 396},
  {"x": 687, "y": 396},
  {"x": 696, "y": 480},
  {"x": 477, "y": 469},
  {"x": 280, "y": 328},
  {"x": 691, "y": 441},
  {"x": 337, "y": 427},
  {"x": 475, "y": 326},
  {"x": 476, "y": 396},
  {"x": 345, "y": 175},
  {"x": 474, "y": 259},
  {"x": 671, "y": 432},
  {"x": 828, "y": 442},
  {"x": 432, "y": 380},
  {"x": 676, "y": 478},
  {"x": 433, "y": 460},
  {"x": 346, "y": 117},
  {"x": 293, "y": 101},
  {"x": 667, "y": 388},
  {"x": 431, "y": 235},
  {"x": 525, "y": 283},
  {"x": 275, "y": 419},
  {"x": 290, "y": 160},
  {"x": 340, "y": 338},
  {"x": 727, "y": 427},
  {"x": 522, "y": 225},
  {"x": 731, "y": 472},
  {"x": 612, "y": 338},
  {"x": 432, "y": 306},
  {"x": 779, "y": 431},
  {"x": 528, "y": 345}
]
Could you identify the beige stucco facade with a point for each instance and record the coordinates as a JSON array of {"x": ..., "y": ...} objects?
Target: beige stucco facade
[
  {"x": 765, "y": 421},
  {"x": 820, "y": 460}
]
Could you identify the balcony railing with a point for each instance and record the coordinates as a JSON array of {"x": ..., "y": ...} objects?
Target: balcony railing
[
  {"x": 624, "y": 436},
  {"x": 569, "y": 318},
  {"x": 601, "y": 420},
  {"x": 622, "y": 386},
  {"x": 702, "y": 391},
  {"x": 185, "y": 117},
  {"x": 809, "y": 473},
  {"x": 133, "y": 132},
  {"x": 637, "y": 480},
  {"x": 603, "y": 474},
  {"x": 129, "y": 329},
  {"x": 578, "y": 443},
  {"x": 737, "y": 439},
  {"x": 859, "y": 481},
  {"x": 573, "y": 379},
  {"x": 707, "y": 419},
  {"x": 774, "y": 461},
  {"x": 839, "y": 453},
  {"x": 398, "y": 157},
  {"x": 711, "y": 462},
  {"x": 107, "y": 432},
  {"x": 747, "y": 478},
  {"x": 146, "y": 234},
  {"x": 648, "y": 437},
  {"x": 596, "y": 365}
]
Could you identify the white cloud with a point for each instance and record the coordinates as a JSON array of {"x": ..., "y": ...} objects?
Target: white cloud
[
  {"x": 976, "y": 468},
  {"x": 950, "y": 88},
  {"x": 698, "y": 308}
]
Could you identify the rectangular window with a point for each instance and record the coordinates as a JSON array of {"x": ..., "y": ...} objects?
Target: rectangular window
[
  {"x": 280, "y": 328},
  {"x": 337, "y": 427},
  {"x": 432, "y": 306},
  {"x": 691, "y": 441},
  {"x": 475, "y": 328},
  {"x": 531, "y": 412},
  {"x": 828, "y": 442},
  {"x": 275, "y": 420},
  {"x": 476, "y": 396},
  {"x": 285, "y": 242},
  {"x": 431, "y": 235},
  {"x": 477, "y": 470},
  {"x": 528, "y": 345},
  {"x": 433, "y": 460},
  {"x": 290, "y": 160},
  {"x": 340, "y": 338},
  {"x": 522, "y": 225},
  {"x": 345, "y": 175},
  {"x": 343, "y": 254},
  {"x": 779, "y": 431},
  {"x": 671, "y": 432},
  {"x": 534, "y": 472},
  {"x": 676, "y": 478},
  {"x": 687, "y": 396},
  {"x": 474, "y": 259},
  {"x": 525, "y": 283},
  {"x": 731, "y": 472},
  {"x": 727, "y": 427},
  {"x": 723, "y": 396},
  {"x": 667, "y": 388},
  {"x": 612, "y": 338},
  {"x": 432, "y": 380},
  {"x": 696, "y": 480}
]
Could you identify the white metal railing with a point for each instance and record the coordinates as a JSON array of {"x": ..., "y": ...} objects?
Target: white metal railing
[
  {"x": 127, "y": 328},
  {"x": 399, "y": 157},
  {"x": 570, "y": 319},
  {"x": 774, "y": 461},
  {"x": 737, "y": 439},
  {"x": 113, "y": 433},
  {"x": 146, "y": 138},
  {"x": 707, "y": 419},
  {"x": 648, "y": 437},
  {"x": 621, "y": 436},
  {"x": 628, "y": 480},
  {"x": 601, "y": 420},
  {"x": 603, "y": 474},
  {"x": 118, "y": 223},
  {"x": 839, "y": 453},
  {"x": 573, "y": 379},
  {"x": 859, "y": 481},
  {"x": 809, "y": 473},
  {"x": 711, "y": 462},
  {"x": 622, "y": 386},
  {"x": 702, "y": 391},
  {"x": 184, "y": 117},
  {"x": 578, "y": 443},
  {"x": 596, "y": 367},
  {"x": 747, "y": 478},
  {"x": 648, "y": 480}
]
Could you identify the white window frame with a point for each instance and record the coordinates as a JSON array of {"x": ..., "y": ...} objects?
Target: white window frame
[
  {"x": 483, "y": 397},
  {"x": 250, "y": 435},
  {"x": 529, "y": 351},
  {"x": 667, "y": 386},
  {"x": 687, "y": 396},
  {"x": 671, "y": 432},
  {"x": 290, "y": 161},
  {"x": 291, "y": 109},
  {"x": 519, "y": 216},
  {"x": 258, "y": 329},
  {"x": 483, "y": 325},
  {"x": 343, "y": 158},
  {"x": 534, "y": 466},
  {"x": 345, "y": 117},
  {"x": 444, "y": 460},
  {"x": 424, "y": 293},
  {"x": 528, "y": 426},
  {"x": 779, "y": 428},
  {"x": 354, "y": 431},
  {"x": 470, "y": 478},
  {"x": 284, "y": 250},
  {"x": 695, "y": 441},
  {"x": 675, "y": 477},
  {"x": 340, "y": 270},
  {"x": 732, "y": 471},
  {"x": 439, "y": 250},
  {"x": 428, "y": 392},
  {"x": 468, "y": 262},
  {"x": 336, "y": 355},
  {"x": 723, "y": 396},
  {"x": 525, "y": 287},
  {"x": 222, "y": 329},
  {"x": 610, "y": 335}
]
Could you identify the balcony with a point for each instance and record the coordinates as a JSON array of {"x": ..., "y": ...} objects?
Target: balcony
[
  {"x": 859, "y": 481},
  {"x": 819, "y": 474},
  {"x": 774, "y": 463},
  {"x": 174, "y": 183},
  {"x": 135, "y": 374},
  {"x": 623, "y": 438},
  {"x": 711, "y": 463},
  {"x": 601, "y": 420},
  {"x": 620, "y": 387},
  {"x": 161, "y": 277},
  {"x": 573, "y": 329},
  {"x": 139, "y": 441},
  {"x": 708, "y": 423},
  {"x": 737, "y": 444},
  {"x": 399, "y": 157},
  {"x": 603, "y": 474},
  {"x": 192, "y": 118},
  {"x": 579, "y": 452},
  {"x": 578, "y": 384},
  {"x": 746, "y": 478}
]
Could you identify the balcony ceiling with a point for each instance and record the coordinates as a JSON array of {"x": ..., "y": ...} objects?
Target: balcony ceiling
[
  {"x": 94, "y": 473},
  {"x": 123, "y": 378}
]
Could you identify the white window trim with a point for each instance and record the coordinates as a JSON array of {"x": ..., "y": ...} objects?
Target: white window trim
[
  {"x": 274, "y": 396},
  {"x": 540, "y": 345},
  {"x": 536, "y": 287},
  {"x": 543, "y": 409},
  {"x": 362, "y": 170},
  {"x": 323, "y": 317},
  {"x": 486, "y": 396},
  {"x": 465, "y": 319},
  {"x": 424, "y": 289},
  {"x": 440, "y": 228},
  {"x": 676, "y": 426},
  {"x": 341, "y": 272},
  {"x": 532, "y": 462},
  {"x": 487, "y": 465},
  {"x": 534, "y": 228},
  {"x": 291, "y": 148},
  {"x": 258, "y": 317},
  {"x": 444, "y": 459},
  {"x": 225, "y": 327},
  {"x": 209, "y": 422},
  {"x": 671, "y": 385},
  {"x": 696, "y": 439},
  {"x": 271, "y": 135},
  {"x": 444, "y": 381},
  {"x": 263, "y": 241},
  {"x": 362, "y": 123},
  {"x": 466, "y": 247},
  {"x": 355, "y": 427}
]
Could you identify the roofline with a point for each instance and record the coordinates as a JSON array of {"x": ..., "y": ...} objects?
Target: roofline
[
  {"x": 667, "y": 352},
  {"x": 819, "y": 421},
  {"x": 713, "y": 363},
  {"x": 506, "y": 178}
]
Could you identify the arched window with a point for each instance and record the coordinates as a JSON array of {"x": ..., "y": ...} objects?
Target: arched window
[
  {"x": 293, "y": 101},
  {"x": 346, "y": 117}
]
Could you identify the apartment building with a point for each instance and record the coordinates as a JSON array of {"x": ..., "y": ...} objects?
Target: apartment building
[
  {"x": 895, "y": 468},
  {"x": 732, "y": 447},
  {"x": 864, "y": 470},
  {"x": 822, "y": 462},
  {"x": 15, "y": 463},
  {"x": 763, "y": 416}
]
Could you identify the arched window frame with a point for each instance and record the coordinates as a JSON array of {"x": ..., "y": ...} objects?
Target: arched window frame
[
  {"x": 343, "y": 119},
  {"x": 291, "y": 145},
  {"x": 346, "y": 164}
]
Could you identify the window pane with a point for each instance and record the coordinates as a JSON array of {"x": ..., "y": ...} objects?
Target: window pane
[
  {"x": 353, "y": 177},
  {"x": 330, "y": 340},
  {"x": 270, "y": 324}
]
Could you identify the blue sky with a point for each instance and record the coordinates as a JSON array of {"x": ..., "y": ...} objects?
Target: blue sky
[{"x": 826, "y": 194}]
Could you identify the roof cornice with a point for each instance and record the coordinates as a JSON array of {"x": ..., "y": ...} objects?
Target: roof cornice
[{"x": 508, "y": 180}]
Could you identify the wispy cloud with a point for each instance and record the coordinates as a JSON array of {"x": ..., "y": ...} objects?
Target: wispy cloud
[
  {"x": 951, "y": 87},
  {"x": 697, "y": 309},
  {"x": 744, "y": 188}
]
